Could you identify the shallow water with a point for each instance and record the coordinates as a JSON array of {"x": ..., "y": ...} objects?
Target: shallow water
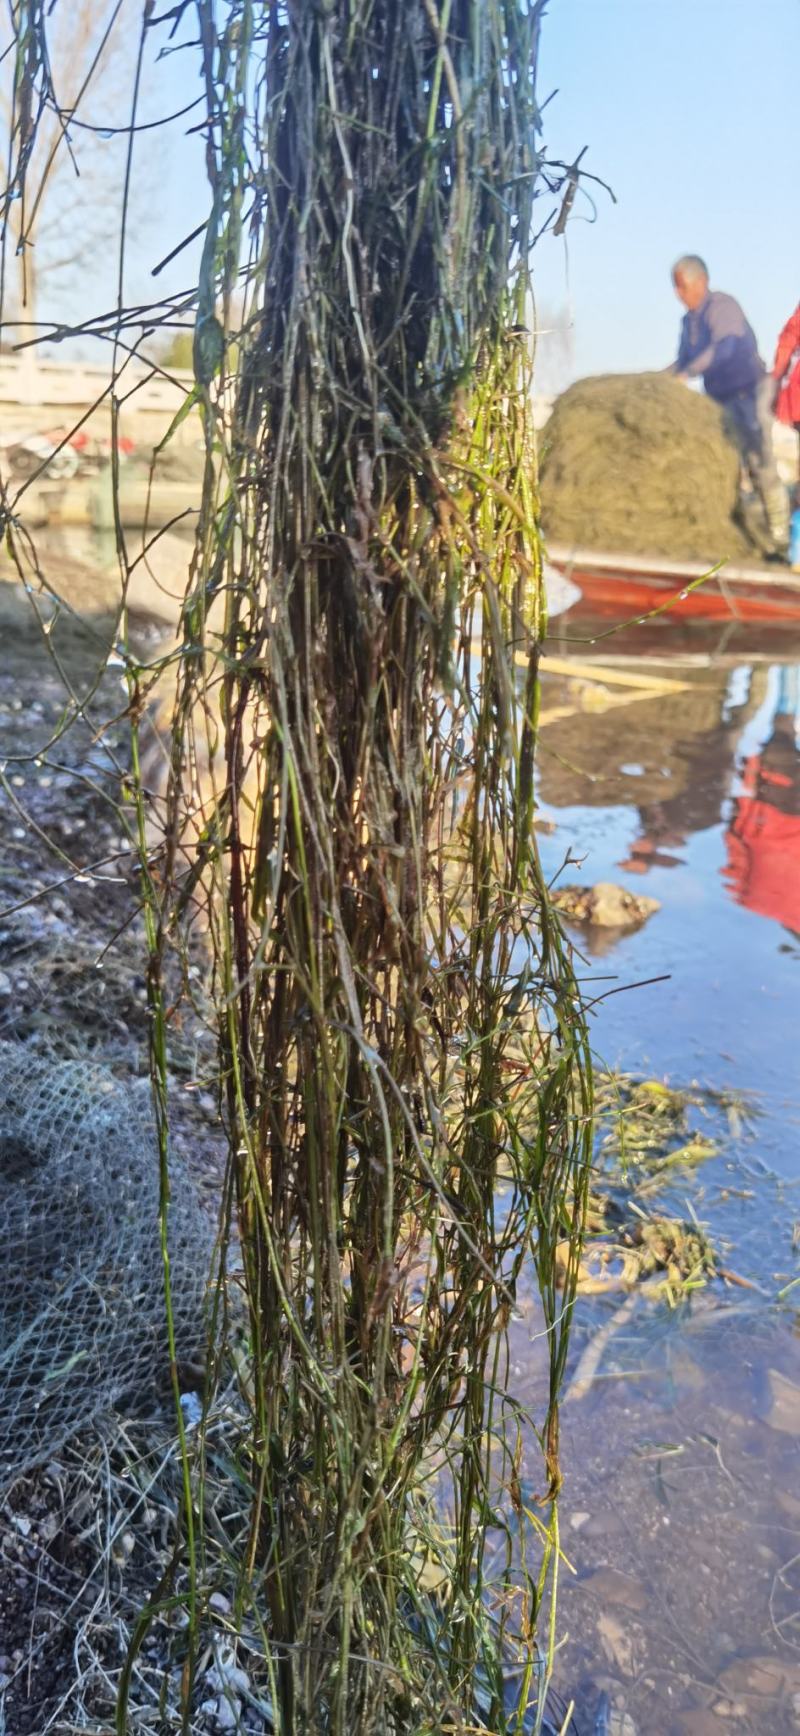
[{"x": 682, "y": 1510}]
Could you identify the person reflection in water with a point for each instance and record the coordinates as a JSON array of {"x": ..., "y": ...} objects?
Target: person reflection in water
[
  {"x": 709, "y": 758},
  {"x": 763, "y": 833}
]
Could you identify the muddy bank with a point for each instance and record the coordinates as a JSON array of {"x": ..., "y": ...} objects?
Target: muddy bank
[{"x": 81, "y": 1549}]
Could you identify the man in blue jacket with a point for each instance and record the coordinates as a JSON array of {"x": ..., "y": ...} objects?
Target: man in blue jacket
[{"x": 718, "y": 344}]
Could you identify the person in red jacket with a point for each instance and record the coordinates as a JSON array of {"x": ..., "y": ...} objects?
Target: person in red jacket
[{"x": 786, "y": 372}]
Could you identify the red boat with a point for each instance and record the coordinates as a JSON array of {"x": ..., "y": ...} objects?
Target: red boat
[{"x": 631, "y": 602}]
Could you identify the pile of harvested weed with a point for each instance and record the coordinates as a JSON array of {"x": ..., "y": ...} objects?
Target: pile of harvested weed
[{"x": 638, "y": 464}]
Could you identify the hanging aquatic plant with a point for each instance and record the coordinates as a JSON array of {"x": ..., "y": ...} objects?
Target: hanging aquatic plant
[{"x": 402, "y": 1054}]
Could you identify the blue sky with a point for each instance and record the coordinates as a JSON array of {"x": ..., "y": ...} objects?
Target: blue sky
[
  {"x": 689, "y": 110},
  {"x": 169, "y": 171}
]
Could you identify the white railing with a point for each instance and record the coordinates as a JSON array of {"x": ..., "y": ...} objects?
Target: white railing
[{"x": 28, "y": 380}]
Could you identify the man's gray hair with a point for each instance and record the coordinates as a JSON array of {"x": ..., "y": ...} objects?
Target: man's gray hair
[{"x": 690, "y": 265}]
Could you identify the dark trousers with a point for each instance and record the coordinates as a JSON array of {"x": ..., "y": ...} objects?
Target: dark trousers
[{"x": 748, "y": 418}]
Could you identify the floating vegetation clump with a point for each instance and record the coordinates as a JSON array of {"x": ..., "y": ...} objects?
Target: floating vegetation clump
[
  {"x": 647, "y": 1142},
  {"x": 678, "y": 1253},
  {"x": 366, "y": 576},
  {"x": 645, "y": 1128},
  {"x": 670, "y": 1256}
]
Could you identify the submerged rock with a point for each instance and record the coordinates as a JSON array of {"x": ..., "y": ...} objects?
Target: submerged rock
[
  {"x": 611, "y": 1585},
  {"x": 765, "y": 1676},
  {"x": 612, "y": 1720},
  {"x": 604, "y": 905},
  {"x": 783, "y": 1403}
]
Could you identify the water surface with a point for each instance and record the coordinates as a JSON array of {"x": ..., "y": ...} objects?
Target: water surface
[{"x": 682, "y": 1516}]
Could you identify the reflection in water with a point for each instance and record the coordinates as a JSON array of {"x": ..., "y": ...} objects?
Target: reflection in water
[
  {"x": 763, "y": 833},
  {"x": 673, "y": 732},
  {"x": 708, "y": 760},
  {"x": 694, "y": 772}
]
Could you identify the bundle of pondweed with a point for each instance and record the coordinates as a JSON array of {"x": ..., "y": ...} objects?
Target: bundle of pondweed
[{"x": 403, "y": 1061}]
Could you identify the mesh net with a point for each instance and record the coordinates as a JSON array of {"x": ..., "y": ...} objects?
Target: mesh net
[{"x": 82, "y": 1315}]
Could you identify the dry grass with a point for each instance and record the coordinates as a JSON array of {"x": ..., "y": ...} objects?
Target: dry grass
[{"x": 85, "y": 1543}]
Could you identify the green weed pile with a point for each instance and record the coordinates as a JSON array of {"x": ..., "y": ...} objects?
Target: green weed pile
[{"x": 637, "y": 463}]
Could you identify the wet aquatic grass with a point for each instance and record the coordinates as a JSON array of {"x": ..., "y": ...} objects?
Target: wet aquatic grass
[{"x": 396, "y": 1041}]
